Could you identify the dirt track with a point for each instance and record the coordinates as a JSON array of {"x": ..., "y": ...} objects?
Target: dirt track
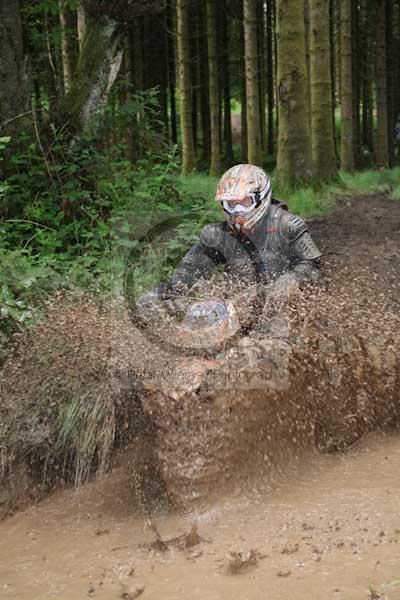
[
  {"x": 327, "y": 530},
  {"x": 343, "y": 512}
]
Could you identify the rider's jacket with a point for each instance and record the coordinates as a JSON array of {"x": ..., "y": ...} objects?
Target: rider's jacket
[{"x": 279, "y": 244}]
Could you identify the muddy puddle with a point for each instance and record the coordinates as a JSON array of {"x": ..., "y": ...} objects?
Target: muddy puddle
[{"x": 326, "y": 528}]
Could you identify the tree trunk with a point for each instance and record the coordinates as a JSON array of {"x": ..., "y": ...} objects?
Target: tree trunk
[
  {"x": 131, "y": 133},
  {"x": 332, "y": 38},
  {"x": 391, "y": 60},
  {"x": 338, "y": 52},
  {"x": 215, "y": 164},
  {"x": 275, "y": 58},
  {"x": 98, "y": 66},
  {"x": 67, "y": 48},
  {"x": 81, "y": 24},
  {"x": 356, "y": 79},
  {"x": 204, "y": 91},
  {"x": 367, "y": 74},
  {"x": 137, "y": 56},
  {"x": 243, "y": 97},
  {"x": 262, "y": 74},
  {"x": 163, "y": 72},
  {"x": 225, "y": 38},
  {"x": 270, "y": 34},
  {"x": 323, "y": 141},
  {"x": 37, "y": 100},
  {"x": 254, "y": 143},
  {"x": 194, "y": 72},
  {"x": 294, "y": 163},
  {"x": 382, "y": 142},
  {"x": 14, "y": 97},
  {"x": 185, "y": 86},
  {"x": 155, "y": 69},
  {"x": 172, "y": 71},
  {"x": 397, "y": 63},
  {"x": 308, "y": 48},
  {"x": 347, "y": 142}
]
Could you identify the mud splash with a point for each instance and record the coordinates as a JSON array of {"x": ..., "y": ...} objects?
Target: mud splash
[
  {"x": 329, "y": 528},
  {"x": 69, "y": 400},
  {"x": 342, "y": 372}
]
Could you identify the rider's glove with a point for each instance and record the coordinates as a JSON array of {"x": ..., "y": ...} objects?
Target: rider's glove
[{"x": 286, "y": 286}]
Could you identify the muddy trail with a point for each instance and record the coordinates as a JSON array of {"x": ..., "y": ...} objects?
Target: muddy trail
[
  {"x": 281, "y": 519},
  {"x": 328, "y": 529}
]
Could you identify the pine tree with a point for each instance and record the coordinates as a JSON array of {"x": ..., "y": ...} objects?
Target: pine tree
[
  {"x": 356, "y": 80},
  {"x": 262, "y": 74},
  {"x": 81, "y": 23},
  {"x": 294, "y": 144},
  {"x": 254, "y": 144},
  {"x": 390, "y": 78},
  {"x": 170, "y": 20},
  {"x": 242, "y": 77},
  {"x": 367, "y": 73},
  {"x": 185, "y": 87},
  {"x": 347, "y": 152},
  {"x": 382, "y": 142},
  {"x": 323, "y": 142},
  {"x": 204, "y": 90},
  {"x": 14, "y": 93},
  {"x": 225, "y": 68},
  {"x": 67, "y": 49},
  {"x": 270, "y": 35},
  {"x": 215, "y": 165}
]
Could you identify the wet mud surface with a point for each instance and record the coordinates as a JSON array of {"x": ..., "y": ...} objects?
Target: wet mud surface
[{"x": 328, "y": 528}]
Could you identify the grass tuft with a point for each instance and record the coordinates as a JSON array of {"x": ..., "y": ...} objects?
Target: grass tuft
[
  {"x": 373, "y": 180},
  {"x": 86, "y": 434}
]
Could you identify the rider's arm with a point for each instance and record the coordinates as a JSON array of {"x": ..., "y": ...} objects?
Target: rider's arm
[
  {"x": 304, "y": 262},
  {"x": 304, "y": 256},
  {"x": 198, "y": 263}
]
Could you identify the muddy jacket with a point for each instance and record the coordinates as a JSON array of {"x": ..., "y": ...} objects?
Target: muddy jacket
[{"x": 278, "y": 250}]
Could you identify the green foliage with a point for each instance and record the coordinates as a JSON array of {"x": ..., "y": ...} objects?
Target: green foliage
[
  {"x": 373, "y": 180},
  {"x": 153, "y": 242},
  {"x": 57, "y": 206}
]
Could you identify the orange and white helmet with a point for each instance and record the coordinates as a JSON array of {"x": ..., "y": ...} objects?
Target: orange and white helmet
[{"x": 245, "y": 193}]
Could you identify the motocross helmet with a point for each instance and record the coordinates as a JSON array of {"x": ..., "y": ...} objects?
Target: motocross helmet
[{"x": 245, "y": 193}]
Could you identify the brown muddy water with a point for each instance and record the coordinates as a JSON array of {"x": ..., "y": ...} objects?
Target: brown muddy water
[{"x": 326, "y": 528}]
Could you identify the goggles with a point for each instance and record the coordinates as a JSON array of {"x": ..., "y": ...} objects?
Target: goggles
[{"x": 242, "y": 205}]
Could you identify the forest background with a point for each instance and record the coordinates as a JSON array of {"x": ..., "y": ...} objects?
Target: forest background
[{"x": 110, "y": 108}]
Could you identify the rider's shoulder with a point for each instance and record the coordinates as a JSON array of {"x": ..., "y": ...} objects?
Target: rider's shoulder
[
  {"x": 279, "y": 205},
  {"x": 213, "y": 233},
  {"x": 292, "y": 225}
]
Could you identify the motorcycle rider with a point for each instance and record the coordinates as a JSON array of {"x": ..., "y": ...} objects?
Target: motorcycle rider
[{"x": 259, "y": 237}]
